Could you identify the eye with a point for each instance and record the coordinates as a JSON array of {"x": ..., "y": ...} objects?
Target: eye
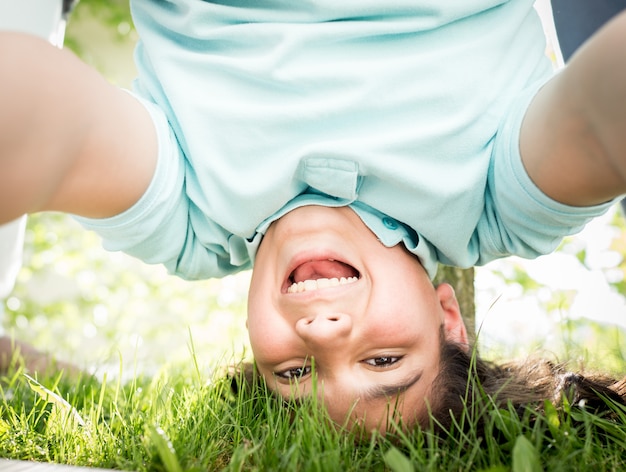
[
  {"x": 294, "y": 373},
  {"x": 383, "y": 361}
]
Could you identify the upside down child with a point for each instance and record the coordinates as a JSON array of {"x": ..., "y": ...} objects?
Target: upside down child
[{"x": 341, "y": 152}]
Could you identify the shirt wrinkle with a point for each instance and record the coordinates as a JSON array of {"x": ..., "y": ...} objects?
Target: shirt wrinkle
[{"x": 401, "y": 109}]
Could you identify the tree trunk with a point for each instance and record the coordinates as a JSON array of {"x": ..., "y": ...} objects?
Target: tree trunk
[{"x": 462, "y": 280}]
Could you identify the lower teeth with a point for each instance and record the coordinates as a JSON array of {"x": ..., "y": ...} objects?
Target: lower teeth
[{"x": 310, "y": 285}]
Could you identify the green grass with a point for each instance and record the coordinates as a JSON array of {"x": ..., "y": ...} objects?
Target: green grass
[
  {"x": 130, "y": 425},
  {"x": 179, "y": 420}
]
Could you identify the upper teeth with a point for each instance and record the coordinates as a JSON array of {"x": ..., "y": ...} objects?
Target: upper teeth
[{"x": 310, "y": 285}]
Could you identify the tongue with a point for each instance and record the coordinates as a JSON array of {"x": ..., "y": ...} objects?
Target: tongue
[{"x": 314, "y": 270}]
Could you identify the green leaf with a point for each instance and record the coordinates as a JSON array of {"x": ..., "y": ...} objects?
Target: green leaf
[
  {"x": 552, "y": 418},
  {"x": 165, "y": 449},
  {"x": 4, "y": 427},
  {"x": 495, "y": 468},
  {"x": 507, "y": 422},
  {"x": 397, "y": 461},
  {"x": 61, "y": 408},
  {"x": 525, "y": 456}
]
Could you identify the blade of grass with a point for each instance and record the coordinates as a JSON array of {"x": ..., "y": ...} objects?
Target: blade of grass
[
  {"x": 165, "y": 449},
  {"x": 54, "y": 399}
]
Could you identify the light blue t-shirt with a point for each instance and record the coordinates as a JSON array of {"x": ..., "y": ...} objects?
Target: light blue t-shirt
[{"x": 409, "y": 111}]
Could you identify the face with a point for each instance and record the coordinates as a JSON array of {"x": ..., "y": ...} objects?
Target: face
[{"x": 326, "y": 292}]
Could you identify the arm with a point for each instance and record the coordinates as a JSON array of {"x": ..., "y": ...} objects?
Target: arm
[
  {"x": 573, "y": 138},
  {"x": 69, "y": 141}
]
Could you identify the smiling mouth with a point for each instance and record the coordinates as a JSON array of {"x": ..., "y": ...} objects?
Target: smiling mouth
[{"x": 315, "y": 275}]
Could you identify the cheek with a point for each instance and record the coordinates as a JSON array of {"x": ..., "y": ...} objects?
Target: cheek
[
  {"x": 260, "y": 287},
  {"x": 259, "y": 333},
  {"x": 262, "y": 347},
  {"x": 271, "y": 338},
  {"x": 260, "y": 308},
  {"x": 402, "y": 319},
  {"x": 395, "y": 334},
  {"x": 406, "y": 308}
]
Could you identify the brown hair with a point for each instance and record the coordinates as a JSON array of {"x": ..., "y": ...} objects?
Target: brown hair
[{"x": 465, "y": 378}]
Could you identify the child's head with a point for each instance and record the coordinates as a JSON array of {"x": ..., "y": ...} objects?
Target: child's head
[{"x": 325, "y": 291}]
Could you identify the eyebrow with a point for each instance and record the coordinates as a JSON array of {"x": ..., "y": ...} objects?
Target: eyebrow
[{"x": 385, "y": 391}]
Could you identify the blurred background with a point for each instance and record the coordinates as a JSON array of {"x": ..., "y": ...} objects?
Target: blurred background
[{"x": 108, "y": 312}]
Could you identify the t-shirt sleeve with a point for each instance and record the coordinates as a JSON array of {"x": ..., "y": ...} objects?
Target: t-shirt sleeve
[
  {"x": 518, "y": 218},
  {"x": 160, "y": 228}
]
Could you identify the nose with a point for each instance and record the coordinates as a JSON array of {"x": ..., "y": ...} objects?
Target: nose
[{"x": 324, "y": 329}]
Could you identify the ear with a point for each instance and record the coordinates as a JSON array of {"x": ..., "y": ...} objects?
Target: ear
[{"x": 453, "y": 325}]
